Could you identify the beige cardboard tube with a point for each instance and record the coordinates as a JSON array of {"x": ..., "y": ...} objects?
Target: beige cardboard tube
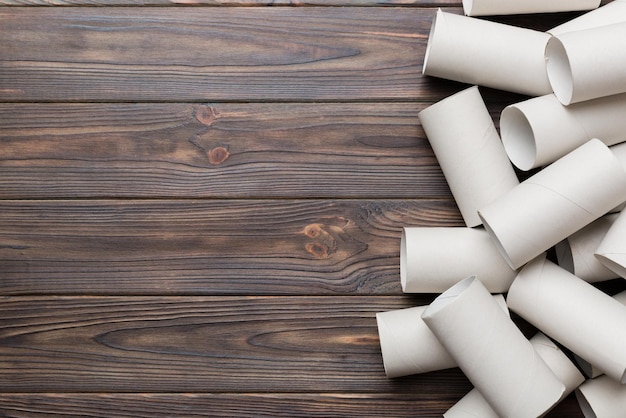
[
  {"x": 602, "y": 398},
  {"x": 492, "y": 352},
  {"x": 474, "y": 405},
  {"x": 490, "y": 54},
  {"x": 409, "y": 347},
  {"x": 469, "y": 151},
  {"x": 574, "y": 313},
  {"x": 541, "y": 130},
  {"x": 512, "y": 7},
  {"x": 612, "y": 249},
  {"x": 587, "y": 64},
  {"x": 559, "y": 200},
  {"x": 613, "y": 12},
  {"x": 433, "y": 259},
  {"x": 576, "y": 253}
]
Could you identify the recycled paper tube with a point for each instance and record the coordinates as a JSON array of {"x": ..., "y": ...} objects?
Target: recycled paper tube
[
  {"x": 613, "y": 12},
  {"x": 541, "y": 130},
  {"x": 512, "y": 7},
  {"x": 474, "y": 405},
  {"x": 574, "y": 313},
  {"x": 548, "y": 207},
  {"x": 587, "y": 64},
  {"x": 477, "y": 51},
  {"x": 433, "y": 259},
  {"x": 612, "y": 250},
  {"x": 620, "y": 152},
  {"x": 470, "y": 153},
  {"x": 602, "y": 398},
  {"x": 409, "y": 347},
  {"x": 492, "y": 352},
  {"x": 576, "y": 253}
]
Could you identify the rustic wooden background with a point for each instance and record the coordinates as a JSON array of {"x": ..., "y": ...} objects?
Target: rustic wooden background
[{"x": 201, "y": 205}]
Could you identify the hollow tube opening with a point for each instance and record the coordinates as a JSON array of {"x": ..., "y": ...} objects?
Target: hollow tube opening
[
  {"x": 518, "y": 138},
  {"x": 559, "y": 71},
  {"x": 431, "y": 40}
]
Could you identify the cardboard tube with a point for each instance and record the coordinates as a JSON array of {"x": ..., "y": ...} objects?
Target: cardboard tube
[
  {"x": 548, "y": 207},
  {"x": 613, "y": 12},
  {"x": 512, "y": 7},
  {"x": 409, "y": 347},
  {"x": 474, "y": 405},
  {"x": 612, "y": 249},
  {"x": 541, "y": 130},
  {"x": 573, "y": 312},
  {"x": 576, "y": 253},
  {"x": 602, "y": 398},
  {"x": 490, "y": 54},
  {"x": 470, "y": 153},
  {"x": 492, "y": 352},
  {"x": 433, "y": 259},
  {"x": 620, "y": 152},
  {"x": 587, "y": 64}
]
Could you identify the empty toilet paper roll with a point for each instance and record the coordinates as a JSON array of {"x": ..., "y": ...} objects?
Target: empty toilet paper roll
[
  {"x": 409, "y": 347},
  {"x": 492, "y": 352},
  {"x": 541, "y": 130},
  {"x": 619, "y": 151},
  {"x": 511, "y": 7},
  {"x": 612, "y": 249},
  {"x": 559, "y": 200},
  {"x": 469, "y": 151},
  {"x": 474, "y": 405},
  {"x": 490, "y": 54},
  {"x": 576, "y": 253},
  {"x": 574, "y": 313},
  {"x": 587, "y": 64},
  {"x": 432, "y": 259},
  {"x": 602, "y": 398},
  {"x": 613, "y": 12}
]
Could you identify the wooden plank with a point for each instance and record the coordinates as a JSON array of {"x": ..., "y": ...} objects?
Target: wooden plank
[
  {"x": 203, "y": 344},
  {"x": 242, "y": 405},
  {"x": 250, "y": 247},
  {"x": 217, "y": 150}
]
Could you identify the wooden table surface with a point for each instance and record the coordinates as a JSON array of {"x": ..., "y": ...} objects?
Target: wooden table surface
[{"x": 200, "y": 207}]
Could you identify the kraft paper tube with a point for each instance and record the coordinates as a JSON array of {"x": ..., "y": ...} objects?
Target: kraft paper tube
[
  {"x": 511, "y": 7},
  {"x": 587, "y": 64},
  {"x": 541, "y": 130},
  {"x": 470, "y": 153},
  {"x": 474, "y": 405},
  {"x": 612, "y": 249},
  {"x": 490, "y": 54},
  {"x": 602, "y": 398},
  {"x": 574, "y": 313},
  {"x": 576, "y": 253},
  {"x": 409, "y": 347},
  {"x": 548, "y": 207},
  {"x": 433, "y": 259},
  {"x": 492, "y": 352},
  {"x": 613, "y": 12}
]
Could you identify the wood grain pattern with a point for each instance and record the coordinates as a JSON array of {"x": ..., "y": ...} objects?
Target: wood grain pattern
[
  {"x": 241, "y": 405},
  {"x": 209, "y": 247},
  {"x": 217, "y": 150}
]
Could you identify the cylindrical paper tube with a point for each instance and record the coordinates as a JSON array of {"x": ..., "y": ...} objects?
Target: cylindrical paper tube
[
  {"x": 492, "y": 352},
  {"x": 408, "y": 346},
  {"x": 573, "y": 312},
  {"x": 576, "y": 253},
  {"x": 587, "y": 64},
  {"x": 612, "y": 249},
  {"x": 477, "y": 51},
  {"x": 548, "y": 207},
  {"x": 602, "y": 398},
  {"x": 512, "y": 7},
  {"x": 620, "y": 152},
  {"x": 473, "y": 404},
  {"x": 433, "y": 259},
  {"x": 541, "y": 130},
  {"x": 470, "y": 153},
  {"x": 613, "y": 12}
]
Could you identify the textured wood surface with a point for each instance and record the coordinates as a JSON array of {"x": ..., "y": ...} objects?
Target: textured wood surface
[{"x": 200, "y": 207}]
